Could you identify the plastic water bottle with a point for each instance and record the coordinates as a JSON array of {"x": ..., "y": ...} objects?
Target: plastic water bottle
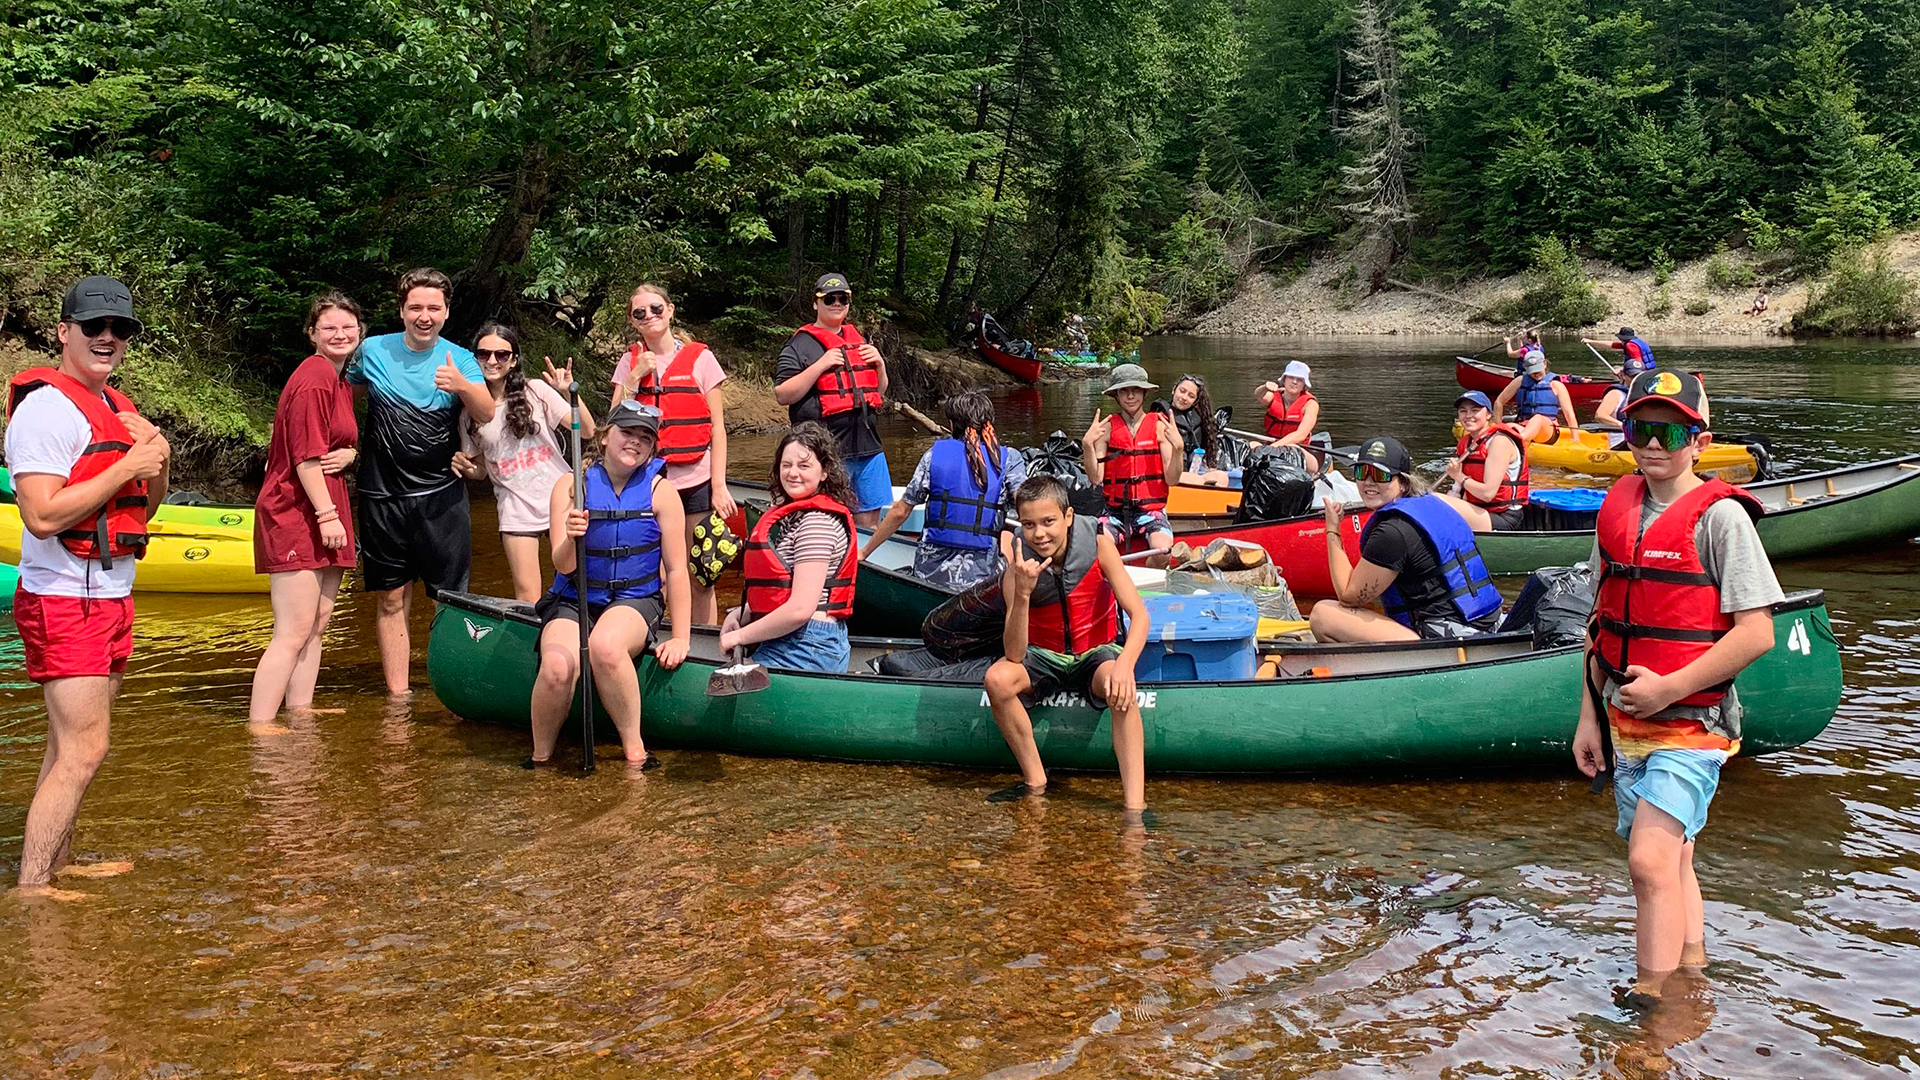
[{"x": 1199, "y": 461}]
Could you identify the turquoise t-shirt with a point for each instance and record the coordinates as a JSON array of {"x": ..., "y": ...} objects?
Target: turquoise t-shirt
[{"x": 413, "y": 428}]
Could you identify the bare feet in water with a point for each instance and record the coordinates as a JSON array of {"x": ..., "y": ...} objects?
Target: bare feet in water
[{"x": 48, "y": 892}]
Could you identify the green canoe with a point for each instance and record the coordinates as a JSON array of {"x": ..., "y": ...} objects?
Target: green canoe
[
  {"x": 9, "y": 581},
  {"x": 1442, "y": 705}
]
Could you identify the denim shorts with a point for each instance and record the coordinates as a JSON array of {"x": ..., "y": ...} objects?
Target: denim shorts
[
  {"x": 819, "y": 645},
  {"x": 1680, "y": 782},
  {"x": 872, "y": 483}
]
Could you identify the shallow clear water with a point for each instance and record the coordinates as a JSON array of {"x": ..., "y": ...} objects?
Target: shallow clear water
[{"x": 384, "y": 892}]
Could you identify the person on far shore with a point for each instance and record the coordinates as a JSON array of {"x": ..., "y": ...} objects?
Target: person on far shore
[
  {"x": 414, "y": 521},
  {"x": 966, "y": 482},
  {"x": 1193, "y": 415},
  {"x": 1683, "y": 603},
  {"x": 1541, "y": 403},
  {"x": 802, "y": 558},
  {"x": 680, "y": 377},
  {"x": 1418, "y": 559},
  {"x": 1292, "y": 413},
  {"x": 829, "y": 373},
  {"x": 88, "y": 471},
  {"x": 629, "y": 531},
  {"x": 302, "y": 523},
  {"x": 1759, "y": 305},
  {"x": 1135, "y": 457},
  {"x": 516, "y": 450}
]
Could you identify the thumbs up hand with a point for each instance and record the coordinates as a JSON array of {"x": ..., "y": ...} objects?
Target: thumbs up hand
[{"x": 448, "y": 378}]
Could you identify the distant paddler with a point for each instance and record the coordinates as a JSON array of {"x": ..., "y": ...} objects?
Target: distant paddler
[
  {"x": 1418, "y": 560},
  {"x": 1292, "y": 411},
  {"x": 1637, "y": 354},
  {"x": 1135, "y": 456},
  {"x": 1528, "y": 342},
  {"x": 1541, "y": 402},
  {"x": 965, "y": 481},
  {"x": 1489, "y": 464}
]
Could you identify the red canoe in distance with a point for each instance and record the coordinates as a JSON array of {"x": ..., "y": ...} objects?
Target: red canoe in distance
[
  {"x": 1490, "y": 379},
  {"x": 1026, "y": 369}
]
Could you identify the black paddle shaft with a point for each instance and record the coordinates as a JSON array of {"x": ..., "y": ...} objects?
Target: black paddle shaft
[{"x": 580, "y": 590}]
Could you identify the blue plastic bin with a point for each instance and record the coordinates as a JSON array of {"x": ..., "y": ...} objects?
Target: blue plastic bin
[{"x": 1205, "y": 638}]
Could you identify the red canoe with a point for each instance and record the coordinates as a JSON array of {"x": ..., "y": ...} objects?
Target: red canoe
[
  {"x": 1024, "y": 368},
  {"x": 1298, "y": 546},
  {"x": 1490, "y": 379}
]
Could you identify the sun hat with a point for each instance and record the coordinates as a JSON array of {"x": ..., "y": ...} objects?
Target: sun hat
[
  {"x": 1299, "y": 369},
  {"x": 1129, "y": 376}
]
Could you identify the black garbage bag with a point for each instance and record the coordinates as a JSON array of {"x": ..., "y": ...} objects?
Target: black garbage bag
[
  {"x": 1059, "y": 457},
  {"x": 1275, "y": 484},
  {"x": 922, "y": 664},
  {"x": 967, "y": 625},
  {"x": 1555, "y": 604}
]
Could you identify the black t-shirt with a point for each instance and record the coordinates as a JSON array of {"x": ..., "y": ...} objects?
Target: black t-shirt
[
  {"x": 1394, "y": 543},
  {"x": 857, "y": 431}
]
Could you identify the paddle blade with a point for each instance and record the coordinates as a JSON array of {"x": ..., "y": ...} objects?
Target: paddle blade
[{"x": 739, "y": 677}]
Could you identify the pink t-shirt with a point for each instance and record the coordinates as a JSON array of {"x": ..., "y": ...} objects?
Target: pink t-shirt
[
  {"x": 707, "y": 373},
  {"x": 523, "y": 469}
]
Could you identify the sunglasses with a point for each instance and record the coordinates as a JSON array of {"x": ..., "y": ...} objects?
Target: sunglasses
[
  {"x": 836, "y": 299},
  {"x": 1372, "y": 474},
  {"x": 1669, "y": 434},
  {"x": 124, "y": 329},
  {"x": 637, "y": 409},
  {"x": 1194, "y": 379},
  {"x": 484, "y": 355},
  {"x": 641, "y": 311}
]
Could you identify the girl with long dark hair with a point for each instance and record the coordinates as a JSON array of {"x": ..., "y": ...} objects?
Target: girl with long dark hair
[
  {"x": 965, "y": 482},
  {"x": 517, "y": 450},
  {"x": 1193, "y": 414}
]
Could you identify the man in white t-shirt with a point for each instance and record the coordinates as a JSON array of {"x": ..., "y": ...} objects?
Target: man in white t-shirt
[{"x": 87, "y": 472}]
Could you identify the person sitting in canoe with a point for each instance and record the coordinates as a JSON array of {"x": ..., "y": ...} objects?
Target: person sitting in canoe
[
  {"x": 964, "y": 481},
  {"x": 1193, "y": 415},
  {"x": 801, "y": 561},
  {"x": 1065, "y": 588},
  {"x": 1541, "y": 402},
  {"x": 1489, "y": 465},
  {"x": 1292, "y": 412},
  {"x": 632, "y": 536},
  {"x": 1683, "y": 603},
  {"x": 1135, "y": 456},
  {"x": 1417, "y": 558},
  {"x": 1637, "y": 354},
  {"x": 1529, "y": 342},
  {"x": 1607, "y": 414}
]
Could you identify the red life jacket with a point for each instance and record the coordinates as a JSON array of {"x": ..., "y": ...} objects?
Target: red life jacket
[
  {"x": 1473, "y": 462},
  {"x": 1283, "y": 419},
  {"x": 1656, "y": 606},
  {"x": 686, "y": 423},
  {"x": 120, "y": 528},
  {"x": 769, "y": 581},
  {"x": 1073, "y": 609},
  {"x": 842, "y": 389},
  {"x": 1131, "y": 475}
]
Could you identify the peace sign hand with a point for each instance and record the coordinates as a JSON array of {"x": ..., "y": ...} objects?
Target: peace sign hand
[
  {"x": 1096, "y": 436},
  {"x": 560, "y": 379}
]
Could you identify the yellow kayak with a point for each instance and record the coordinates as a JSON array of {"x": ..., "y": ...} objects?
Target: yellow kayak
[
  {"x": 179, "y": 559},
  {"x": 1590, "y": 452}
]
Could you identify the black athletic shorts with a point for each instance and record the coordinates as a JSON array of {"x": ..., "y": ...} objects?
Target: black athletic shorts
[
  {"x": 651, "y": 608},
  {"x": 696, "y": 500},
  {"x": 424, "y": 538},
  {"x": 1507, "y": 520}
]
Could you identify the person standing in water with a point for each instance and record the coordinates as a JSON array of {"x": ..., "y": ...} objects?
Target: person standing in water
[
  {"x": 680, "y": 377},
  {"x": 828, "y": 372},
  {"x": 1135, "y": 457},
  {"x": 88, "y": 470},
  {"x": 1683, "y": 604},
  {"x": 302, "y": 524},
  {"x": 516, "y": 450},
  {"x": 414, "y": 520}
]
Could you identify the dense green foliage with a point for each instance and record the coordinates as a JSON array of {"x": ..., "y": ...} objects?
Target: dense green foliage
[
  {"x": 1864, "y": 296},
  {"x": 1128, "y": 158},
  {"x": 1559, "y": 292}
]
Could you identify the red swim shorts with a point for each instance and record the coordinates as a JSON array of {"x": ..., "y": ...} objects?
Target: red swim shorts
[{"x": 70, "y": 636}]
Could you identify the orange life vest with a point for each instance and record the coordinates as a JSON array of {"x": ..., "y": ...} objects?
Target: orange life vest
[
  {"x": 120, "y": 528},
  {"x": 1283, "y": 419},
  {"x": 1131, "y": 474},
  {"x": 768, "y": 581},
  {"x": 843, "y": 388},
  {"x": 1656, "y": 606},
  {"x": 686, "y": 423},
  {"x": 1473, "y": 462}
]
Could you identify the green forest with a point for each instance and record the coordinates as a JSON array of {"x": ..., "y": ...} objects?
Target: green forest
[{"x": 1130, "y": 159}]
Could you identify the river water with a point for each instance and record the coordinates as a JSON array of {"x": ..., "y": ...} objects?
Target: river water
[{"x": 383, "y": 893}]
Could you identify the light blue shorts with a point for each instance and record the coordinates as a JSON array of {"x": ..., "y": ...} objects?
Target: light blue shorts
[
  {"x": 872, "y": 483},
  {"x": 819, "y": 645},
  {"x": 1680, "y": 782}
]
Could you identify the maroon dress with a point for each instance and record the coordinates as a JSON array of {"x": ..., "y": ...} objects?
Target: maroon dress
[{"x": 314, "y": 417}]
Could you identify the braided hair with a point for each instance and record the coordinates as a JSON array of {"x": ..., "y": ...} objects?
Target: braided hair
[
  {"x": 970, "y": 415},
  {"x": 520, "y": 422}
]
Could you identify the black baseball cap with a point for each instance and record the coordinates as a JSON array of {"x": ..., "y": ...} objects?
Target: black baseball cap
[
  {"x": 96, "y": 297},
  {"x": 1386, "y": 452},
  {"x": 1677, "y": 388},
  {"x": 831, "y": 283},
  {"x": 634, "y": 416}
]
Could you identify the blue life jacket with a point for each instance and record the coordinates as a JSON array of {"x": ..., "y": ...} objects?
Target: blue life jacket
[
  {"x": 960, "y": 514},
  {"x": 1454, "y": 549},
  {"x": 622, "y": 545},
  {"x": 1536, "y": 398},
  {"x": 1646, "y": 353}
]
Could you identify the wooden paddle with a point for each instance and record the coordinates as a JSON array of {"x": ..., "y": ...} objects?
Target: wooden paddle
[
  {"x": 1504, "y": 337},
  {"x": 580, "y": 589}
]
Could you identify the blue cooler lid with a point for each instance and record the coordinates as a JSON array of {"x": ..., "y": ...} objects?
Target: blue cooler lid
[
  {"x": 1225, "y": 616},
  {"x": 1572, "y": 500}
]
